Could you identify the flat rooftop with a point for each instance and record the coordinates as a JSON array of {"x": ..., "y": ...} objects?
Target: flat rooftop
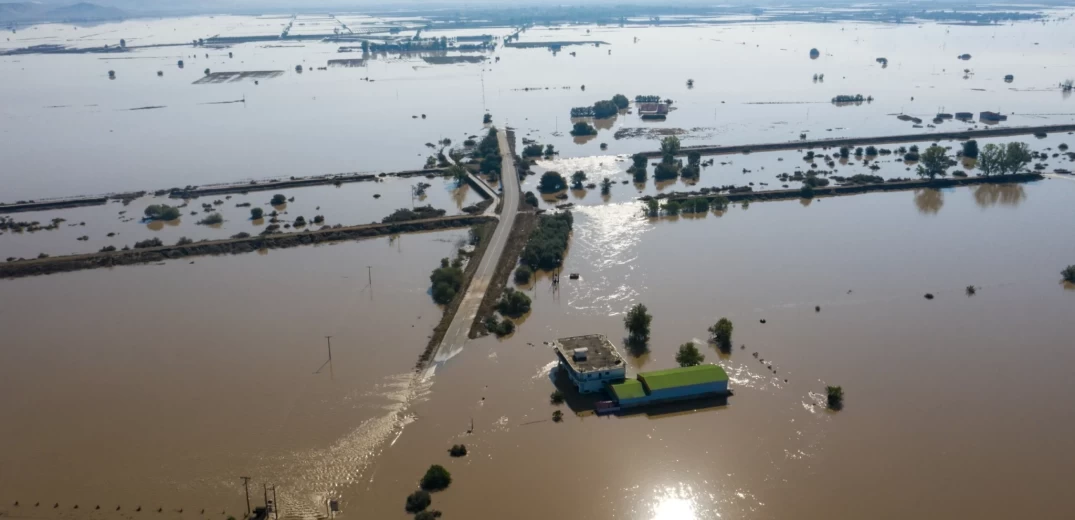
[
  {"x": 601, "y": 354},
  {"x": 683, "y": 376}
]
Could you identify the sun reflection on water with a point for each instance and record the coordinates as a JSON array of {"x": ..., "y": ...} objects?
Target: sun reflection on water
[{"x": 675, "y": 504}]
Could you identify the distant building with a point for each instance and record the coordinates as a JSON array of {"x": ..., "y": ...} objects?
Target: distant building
[
  {"x": 992, "y": 117},
  {"x": 674, "y": 384},
  {"x": 653, "y": 110},
  {"x": 590, "y": 362},
  {"x": 964, "y": 116}
]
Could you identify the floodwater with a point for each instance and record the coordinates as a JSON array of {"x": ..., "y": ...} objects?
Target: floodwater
[
  {"x": 940, "y": 392},
  {"x": 159, "y": 386},
  {"x": 349, "y": 204},
  {"x": 333, "y": 120}
]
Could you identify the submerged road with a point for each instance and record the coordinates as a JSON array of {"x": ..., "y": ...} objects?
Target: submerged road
[{"x": 459, "y": 329}]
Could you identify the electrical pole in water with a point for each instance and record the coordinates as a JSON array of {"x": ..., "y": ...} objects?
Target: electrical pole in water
[
  {"x": 275, "y": 504},
  {"x": 246, "y": 485},
  {"x": 329, "y": 340},
  {"x": 369, "y": 271}
]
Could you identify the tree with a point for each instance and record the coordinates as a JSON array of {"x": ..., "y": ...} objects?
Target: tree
[
  {"x": 835, "y": 396},
  {"x": 550, "y": 150},
  {"x": 1016, "y": 157},
  {"x": 436, "y": 478},
  {"x": 446, "y": 281},
  {"x": 991, "y": 160},
  {"x": 694, "y": 158},
  {"x": 458, "y": 450},
  {"x": 934, "y": 162},
  {"x": 532, "y": 150},
  {"x": 620, "y": 101},
  {"x": 523, "y": 274},
  {"x": 530, "y": 199},
  {"x": 637, "y": 322},
  {"x": 122, "y": 43},
  {"x": 806, "y": 191},
  {"x": 256, "y": 213},
  {"x": 546, "y": 245},
  {"x": 970, "y": 149},
  {"x": 161, "y": 212},
  {"x": 721, "y": 331},
  {"x": 552, "y": 182},
  {"x": 606, "y": 186},
  {"x": 670, "y": 145},
  {"x": 604, "y": 109},
  {"x": 418, "y": 501},
  {"x": 278, "y": 200},
  {"x": 513, "y": 303},
  {"x": 207, "y": 71},
  {"x": 844, "y": 152},
  {"x": 582, "y": 128},
  {"x": 577, "y": 179},
  {"x": 1069, "y": 274},
  {"x": 871, "y": 151},
  {"x": 688, "y": 355},
  {"x": 458, "y": 173}
]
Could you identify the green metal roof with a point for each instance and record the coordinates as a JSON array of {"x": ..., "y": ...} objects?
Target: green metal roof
[
  {"x": 683, "y": 376},
  {"x": 629, "y": 389}
]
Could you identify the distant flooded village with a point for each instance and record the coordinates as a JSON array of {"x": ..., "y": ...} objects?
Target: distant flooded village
[{"x": 263, "y": 260}]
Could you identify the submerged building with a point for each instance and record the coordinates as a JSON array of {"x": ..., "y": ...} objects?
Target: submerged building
[
  {"x": 992, "y": 117},
  {"x": 590, "y": 362},
  {"x": 593, "y": 365}
]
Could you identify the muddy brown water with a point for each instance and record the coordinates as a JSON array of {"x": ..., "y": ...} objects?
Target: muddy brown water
[{"x": 158, "y": 386}]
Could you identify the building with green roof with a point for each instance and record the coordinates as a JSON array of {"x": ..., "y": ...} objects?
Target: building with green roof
[{"x": 673, "y": 384}]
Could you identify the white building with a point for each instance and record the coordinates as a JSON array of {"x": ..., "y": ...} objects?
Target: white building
[{"x": 591, "y": 362}]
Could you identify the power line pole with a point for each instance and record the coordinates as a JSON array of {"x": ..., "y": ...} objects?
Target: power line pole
[
  {"x": 266, "y": 488},
  {"x": 275, "y": 504},
  {"x": 369, "y": 271},
  {"x": 329, "y": 340},
  {"x": 246, "y": 485}
]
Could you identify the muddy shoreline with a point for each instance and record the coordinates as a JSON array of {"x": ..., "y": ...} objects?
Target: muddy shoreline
[
  {"x": 195, "y": 191},
  {"x": 60, "y": 264},
  {"x": 862, "y": 141},
  {"x": 833, "y": 191}
]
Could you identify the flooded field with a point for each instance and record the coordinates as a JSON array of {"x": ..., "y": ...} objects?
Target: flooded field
[
  {"x": 349, "y": 204},
  {"x": 155, "y": 388},
  {"x": 158, "y": 386},
  {"x": 755, "y": 84},
  {"x": 918, "y": 373}
]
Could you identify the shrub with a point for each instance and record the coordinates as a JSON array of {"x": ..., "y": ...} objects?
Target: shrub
[
  {"x": 241, "y": 234},
  {"x": 418, "y": 501},
  {"x": 523, "y": 274},
  {"x": 161, "y": 212},
  {"x": 806, "y": 192},
  {"x": 446, "y": 282},
  {"x": 1069, "y": 274},
  {"x": 427, "y": 515},
  {"x": 552, "y": 182},
  {"x": 211, "y": 219},
  {"x": 108, "y": 249},
  {"x": 557, "y": 397},
  {"x": 546, "y": 245},
  {"x": 620, "y": 101},
  {"x": 300, "y": 221},
  {"x": 278, "y": 199},
  {"x": 970, "y": 149},
  {"x": 256, "y": 213},
  {"x": 688, "y": 355},
  {"x": 513, "y": 303},
  {"x": 666, "y": 170},
  {"x": 458, "y": 450},
  {"x": 871, "y": 150},
  {"x": 183, "y": 241},
  {"x": 835, "y": 395},
  {"x": 531, "y": 199},
  {"x": 557, "y": 416},
  {"x": 436, "y": 478},
  {"x": 406, "y": 214},
  {"x": 319, "y": 219},
  {"x": 532, "y": 150},
  {"x": 150, "y": 242}
]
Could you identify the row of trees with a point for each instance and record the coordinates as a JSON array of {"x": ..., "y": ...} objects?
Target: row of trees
[
  {"x": 488, "y": 154},
  {"x": 603, "y": 109},
  {"x": 637, "y": 322},
  {"x": 992, "y": 159},
  {"x": 546, "y": 246}
]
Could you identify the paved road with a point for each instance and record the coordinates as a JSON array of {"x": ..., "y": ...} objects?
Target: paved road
[{"x": 459, "y": 329}]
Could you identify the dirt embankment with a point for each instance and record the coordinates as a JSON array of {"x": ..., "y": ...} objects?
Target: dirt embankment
[
  {"x": 192, "y": 192},
  {"x": 831, "y": 191},
  {"x": 525, "y": 222},
  {"x": 59, "y": 264},
  {"x": 485, "y": 231},
  {"x": 862, "y": 141}
]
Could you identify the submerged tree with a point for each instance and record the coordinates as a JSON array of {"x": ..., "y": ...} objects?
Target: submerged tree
[
  {"x": 637, "y": 321},
  {"x": 551, "y": 182},
  {"x": 689, "y": 356},
  {"x": 670, "y": 145},
  {"x": 835, "y": 396},
  {"x": 970, "y": 149},
  {"x": 934, "y": 162},
  {"x": 721, "y": 331},
  {"x": 577, "y": 179}
]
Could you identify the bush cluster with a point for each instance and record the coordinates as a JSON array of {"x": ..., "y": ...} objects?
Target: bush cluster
[{"x": 546, "y": 246}]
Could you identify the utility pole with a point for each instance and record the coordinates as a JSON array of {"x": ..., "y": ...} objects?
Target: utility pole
[
  {"x": 246, "y": 485},
  {"x": 369, "y": 271},
  {"x": 329, "y": 340},
  {"x": 266, "y": 488},
  {"x": 275, "y": 504}
]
